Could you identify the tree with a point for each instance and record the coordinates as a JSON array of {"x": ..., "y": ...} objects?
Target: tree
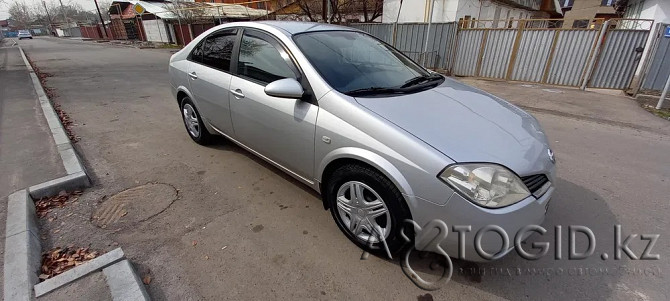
[
  {"x": 188, "y": 11},
  {"x": 311, "y": 8},
  {"x": 21, "y": 14},
  {"x": 372, "y": 9},
  {"x": 341, "y": 9}
]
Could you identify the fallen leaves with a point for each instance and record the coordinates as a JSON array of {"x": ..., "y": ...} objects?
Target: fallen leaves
[
  {"x": 147, "y": 279},
  {"x": 58, "y": 260},
  {"x": 65, "y": 119},
  {"x": 44, "y": 205}
]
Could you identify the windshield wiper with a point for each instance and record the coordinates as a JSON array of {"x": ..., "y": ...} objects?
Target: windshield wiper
[
  {"x": 373, "y": 90},
  {"x": 420, "y": 79}
]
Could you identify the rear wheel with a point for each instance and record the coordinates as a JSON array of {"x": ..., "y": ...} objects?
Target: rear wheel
[
  {"x": 193, "y": 122},
  {"x": 368, "y": 208}
]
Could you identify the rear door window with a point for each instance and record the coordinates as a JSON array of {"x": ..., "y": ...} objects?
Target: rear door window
[{"x": 217, "y": 51}]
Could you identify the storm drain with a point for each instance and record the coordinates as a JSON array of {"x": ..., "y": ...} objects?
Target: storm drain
[{"x": 134, "y": 205}]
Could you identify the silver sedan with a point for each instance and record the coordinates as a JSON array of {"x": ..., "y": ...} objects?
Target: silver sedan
[{"x": 383, "y": 140}]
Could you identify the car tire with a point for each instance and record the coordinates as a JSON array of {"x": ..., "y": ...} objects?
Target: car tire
[
  {"x": 193, "y": 123},
  {"x": 374, "y": 186}
]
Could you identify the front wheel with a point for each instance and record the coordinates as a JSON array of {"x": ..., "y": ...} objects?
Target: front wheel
[{"x": 368, "y": 208}]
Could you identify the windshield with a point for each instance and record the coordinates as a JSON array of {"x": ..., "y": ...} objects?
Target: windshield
[{"x": 352, "y": 61}]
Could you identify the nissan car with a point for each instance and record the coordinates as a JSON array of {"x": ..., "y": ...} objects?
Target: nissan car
[{"x": 383, "y": 140}]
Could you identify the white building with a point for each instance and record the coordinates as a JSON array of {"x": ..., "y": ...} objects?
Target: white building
[
  {"x": 657, "y": 10},
  {"x": 454, "y": 10}
]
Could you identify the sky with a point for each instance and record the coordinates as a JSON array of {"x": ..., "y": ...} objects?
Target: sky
[{"x": 85, "y": 4}]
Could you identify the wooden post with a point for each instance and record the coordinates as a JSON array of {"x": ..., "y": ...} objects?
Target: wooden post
[
  {"x": 545, "y": 76},
  {"x": 482, "y": 50},
  {"x": 515, "y": 49}
]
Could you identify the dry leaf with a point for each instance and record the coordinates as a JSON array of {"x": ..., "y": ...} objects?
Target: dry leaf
[
  {"x": 147, "y": 279},
  {"x": 59, "y": 260}
]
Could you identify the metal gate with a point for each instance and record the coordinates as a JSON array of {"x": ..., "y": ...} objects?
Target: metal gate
[
  {"x": 659, "y": 68},
  {"x": 620, "y": 55}
]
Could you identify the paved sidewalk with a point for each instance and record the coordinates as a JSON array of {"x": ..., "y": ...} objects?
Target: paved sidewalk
[
  {"x": 25, "y": 138},
  {"x": 605, "y": 106}
]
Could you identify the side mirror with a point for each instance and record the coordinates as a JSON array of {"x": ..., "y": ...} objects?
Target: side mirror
[{"x": 285, "y": 88}]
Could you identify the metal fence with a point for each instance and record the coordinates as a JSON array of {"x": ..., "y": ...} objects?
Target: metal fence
[
  {"x": 603, "y": 54},
  {"x": 410, "y": 38},
  {"x": 524, "y": 51},
  {"x": 527, "y": 52}
]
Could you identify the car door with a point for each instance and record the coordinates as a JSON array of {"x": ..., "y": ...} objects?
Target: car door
[
  {"x": 280, "y": 129},
  {"x": 209, "y": 77}
]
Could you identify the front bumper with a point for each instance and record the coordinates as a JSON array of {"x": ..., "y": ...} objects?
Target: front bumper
[{"x": 461, "y": 212}]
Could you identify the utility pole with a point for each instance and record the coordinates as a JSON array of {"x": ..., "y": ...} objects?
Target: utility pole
[
  {"x": 62, "y": 8},
  {"x": 51, "y": 28},
  {"x": 430, "y": 22},
  {"x": 104, "y": 28},
  {"x": 328, "y": 12},
  {"x": 663, "y": 95}
]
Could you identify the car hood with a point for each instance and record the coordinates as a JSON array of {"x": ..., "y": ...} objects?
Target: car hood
[{"x": 468, "y": 125}]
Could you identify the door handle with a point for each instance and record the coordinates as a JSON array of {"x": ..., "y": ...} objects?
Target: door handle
[
  {"x": 238, "y": 93},
  {"x": 193, "y": 75}
]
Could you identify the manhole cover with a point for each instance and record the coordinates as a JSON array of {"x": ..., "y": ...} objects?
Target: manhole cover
[{"x": 134, "y": 205}]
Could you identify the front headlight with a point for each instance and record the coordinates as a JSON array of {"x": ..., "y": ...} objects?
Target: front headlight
[{"x": 487, "y": 185}]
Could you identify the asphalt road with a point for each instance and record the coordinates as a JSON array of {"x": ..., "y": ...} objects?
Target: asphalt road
[{"x": 240, "y": 229}]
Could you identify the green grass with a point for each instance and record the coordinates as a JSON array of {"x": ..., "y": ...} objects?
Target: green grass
[{"x": 663, "y": 113}]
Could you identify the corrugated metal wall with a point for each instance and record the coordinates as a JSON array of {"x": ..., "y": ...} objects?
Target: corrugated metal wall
[
  {"x": 410, "y": 39},
  {"x": 659, "y": 70},
  {"x": 497, "y": 53},
  {"x": 557, "y": 56},
  {"x": 382, "y": 31},
  {"x": 467, "y": 52},
  {"x": 533, "y": 55},
  {"x": 618, "y": 59},
  {"x": 571, "y": 49},
  {"x": 571, "y": 55}
]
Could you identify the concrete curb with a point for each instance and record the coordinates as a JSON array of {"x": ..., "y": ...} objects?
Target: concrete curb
[
  {"x": 22, "y": 247},
  {"x": 76, "y": 174},
  {"x": 123, "y": 287},
  {"x": 91, "y": 266},
  {"x": 53, "y": 187}
]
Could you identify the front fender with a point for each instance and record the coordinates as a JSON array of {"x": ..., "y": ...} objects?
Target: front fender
[{"x": 374, "y": 160}]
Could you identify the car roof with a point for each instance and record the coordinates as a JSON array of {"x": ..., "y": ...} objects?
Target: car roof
[{"x": 295, "y": 27}]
